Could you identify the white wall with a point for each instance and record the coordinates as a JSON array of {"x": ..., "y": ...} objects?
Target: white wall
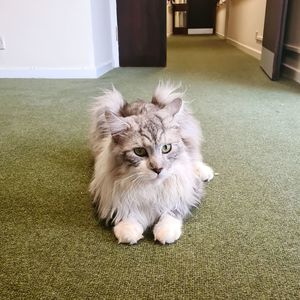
[
  {"x": 221, "y": 20},
  {"x": 55, "y": 38},
  {"x": 246, "y": 17},
  {"x": 114, "y": 32},
  {"x": 102, "y": 32}
]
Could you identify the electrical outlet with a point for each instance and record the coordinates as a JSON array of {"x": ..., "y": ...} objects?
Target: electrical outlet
[{"x": 2, "y": 43}]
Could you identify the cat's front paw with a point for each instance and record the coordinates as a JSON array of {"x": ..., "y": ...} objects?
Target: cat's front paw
[
  {"x": 128, "y": 232},
  {"x": 205, "y": 172},
  {"x": 167, "y": 230}
]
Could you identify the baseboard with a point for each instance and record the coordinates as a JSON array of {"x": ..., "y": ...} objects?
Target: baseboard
[
  {"x": 220, "y": 35},
  {"x": 249, "y": 50},
  {"x": 291, "y": 72},
  {"x": 169, "y": 34},
  {"x": 34, "y": 72},
  {"x": 104, "y": 68},
  {"x": 200, "y": 30}
]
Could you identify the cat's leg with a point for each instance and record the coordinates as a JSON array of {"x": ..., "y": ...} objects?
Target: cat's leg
[
  {"x": 168, "y": 229},
  {"x": 205, "y": 172},
  {"x": 128, "y": 231}
]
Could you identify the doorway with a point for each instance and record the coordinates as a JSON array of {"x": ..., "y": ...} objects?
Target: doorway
[{"x": 143, "y": 27}]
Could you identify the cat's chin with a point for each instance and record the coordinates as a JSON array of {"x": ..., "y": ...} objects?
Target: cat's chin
[{"x": 157, "y": 179}]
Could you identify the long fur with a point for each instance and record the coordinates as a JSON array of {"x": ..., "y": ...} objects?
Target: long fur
[
  {"x": 119, "y": 193},
  {"x": 112, "y": 100}
]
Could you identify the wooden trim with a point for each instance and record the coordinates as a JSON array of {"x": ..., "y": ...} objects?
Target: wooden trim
[
  {"x": 249, "y": 50},
  {"x": 93, "y": 72},
  {"x": 291, "y": 72},
  {"x": 180, "y": 30},
  {"x": 292, "y": 48},
  {"x": 180, "y": 7}
]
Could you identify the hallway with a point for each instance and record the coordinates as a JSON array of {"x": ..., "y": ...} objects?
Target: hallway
[{"x": 243, "y": 241}]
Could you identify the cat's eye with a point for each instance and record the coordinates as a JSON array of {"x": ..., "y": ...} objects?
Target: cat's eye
[
  {"x": 166, "y": 148},
  {"x": 140, "y": 151}
]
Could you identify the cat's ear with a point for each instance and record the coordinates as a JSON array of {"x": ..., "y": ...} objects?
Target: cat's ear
[
  {"x": 116, "y": 123},
  {"x": 174, "y": 107}
]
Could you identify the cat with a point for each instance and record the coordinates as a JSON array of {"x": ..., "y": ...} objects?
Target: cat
[{"x": 148, "y": 165}]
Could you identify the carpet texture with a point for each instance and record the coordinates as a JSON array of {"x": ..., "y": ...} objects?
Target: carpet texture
[{"x": 242, "y": 243}]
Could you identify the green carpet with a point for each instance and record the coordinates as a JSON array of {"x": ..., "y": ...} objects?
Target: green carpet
[{"x": 242, "y": 243}]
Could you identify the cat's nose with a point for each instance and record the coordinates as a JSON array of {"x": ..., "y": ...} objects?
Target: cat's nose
[{"x": 157, "y": 170}]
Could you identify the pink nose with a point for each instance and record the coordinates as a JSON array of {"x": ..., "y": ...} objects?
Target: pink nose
[{"x": 157, "y": 170}]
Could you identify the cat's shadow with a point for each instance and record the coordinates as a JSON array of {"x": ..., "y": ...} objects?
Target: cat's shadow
[{"x": 148, "y": 234}]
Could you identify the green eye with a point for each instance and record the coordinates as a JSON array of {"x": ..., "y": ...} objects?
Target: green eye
[
  {"x": 140, "y": 151},
  {"x": 166, "y": 148}
]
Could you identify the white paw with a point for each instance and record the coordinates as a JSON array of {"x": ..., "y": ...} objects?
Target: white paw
[
  {"x": 128, "y": 232},
  {"x": 167, "y": 230},
  {"x": 205, "y": 172}
]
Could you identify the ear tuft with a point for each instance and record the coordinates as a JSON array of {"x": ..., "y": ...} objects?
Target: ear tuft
[{"x": 116, "y": 123}]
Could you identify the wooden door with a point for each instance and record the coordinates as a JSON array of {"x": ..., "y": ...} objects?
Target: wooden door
[
  {"x": 201, "y": 16},
  {"x": 273, "y": 36},
  {"x": 142, "y": 33}
]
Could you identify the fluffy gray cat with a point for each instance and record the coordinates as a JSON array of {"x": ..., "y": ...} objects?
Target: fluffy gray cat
[{"x": 148, "y": 165}]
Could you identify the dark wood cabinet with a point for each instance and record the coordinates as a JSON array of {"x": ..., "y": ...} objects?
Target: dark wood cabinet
[
  {"x": 180, "y": 15},
  {"x": 194, "y": 16}
]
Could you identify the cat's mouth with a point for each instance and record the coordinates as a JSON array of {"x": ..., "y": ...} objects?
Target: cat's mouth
[
  {"x": 157, "y": 178},
  {"x": 154, "y": 178}
]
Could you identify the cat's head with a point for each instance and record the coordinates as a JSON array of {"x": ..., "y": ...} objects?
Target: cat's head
[{"x": 147, "y": 144}]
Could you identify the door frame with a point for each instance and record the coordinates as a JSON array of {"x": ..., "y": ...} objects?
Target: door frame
[{"x": 273, "y": 46}]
